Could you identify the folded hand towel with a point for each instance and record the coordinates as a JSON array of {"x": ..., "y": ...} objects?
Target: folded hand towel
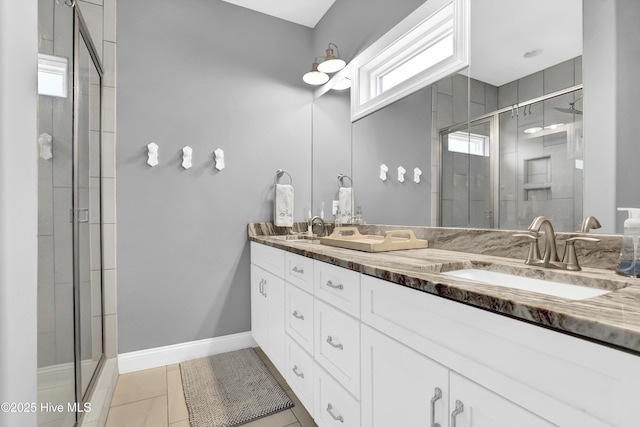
[
  {"x": 345, "y": 202},
  {"x": 283, "y": 216}
]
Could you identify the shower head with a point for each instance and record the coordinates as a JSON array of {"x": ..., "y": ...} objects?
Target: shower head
[
  {"x": 572, "y": 107},
  {"x": 570, "y": 110}
]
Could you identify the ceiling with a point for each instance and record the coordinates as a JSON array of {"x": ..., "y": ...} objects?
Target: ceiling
[
  {"x": 303, "y": 12},
  {"x": 502, "y": 31}
]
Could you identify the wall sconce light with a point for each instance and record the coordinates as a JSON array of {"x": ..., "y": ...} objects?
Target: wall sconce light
[
  {"x": 320, "y": 71},
  {"x": 332, "y": 63},
  {"x": 315, "y": 77}
]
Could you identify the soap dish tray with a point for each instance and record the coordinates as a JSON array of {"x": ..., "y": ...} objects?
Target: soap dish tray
[{"x": 396, "y": 240}]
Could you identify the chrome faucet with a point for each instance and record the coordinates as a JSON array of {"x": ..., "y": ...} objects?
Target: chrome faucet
[
  {"x": 550, "y": 258},
  {"x": 322, "y": 225},
  {"x": 589, "y": 223}
]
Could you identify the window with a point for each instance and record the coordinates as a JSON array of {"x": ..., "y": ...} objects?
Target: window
[
  {"x": 52, "y": 75},
  {"x": 468, "y": 143},
  {"x": 428, "y": 45}
]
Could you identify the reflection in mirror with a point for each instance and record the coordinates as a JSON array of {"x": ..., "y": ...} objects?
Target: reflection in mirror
[
  {"x": 488, "y": 189},
  {"x": 397, "y": 135},
  {"x": 331, "y": 149}
]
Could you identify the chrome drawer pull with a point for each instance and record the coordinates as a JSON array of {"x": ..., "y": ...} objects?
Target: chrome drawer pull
[
  {"x": 295, "y": 371},
  {"x": 338, "y": 417},
  {"x": 331, "y": 285},
  {"x": 437, "y": 396},
  {"x": 332, "y": 344},
  {"x": 297, "y": 316},
  {"x": 261, "y": 287},
  {"x": 297, "y": 270},
  {"x": 264, "y": 293},
  {"x": 459, "y": 409}
]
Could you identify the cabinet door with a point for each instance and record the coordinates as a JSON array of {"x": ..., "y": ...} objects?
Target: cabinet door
[
  {"x": 274, "y": 289},
  {"x": 471, "y": 405},
  {"x": 400, "y": 386},
  {"x": 259, "y": 306}
]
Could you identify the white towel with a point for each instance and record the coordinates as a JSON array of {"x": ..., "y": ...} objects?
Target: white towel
[
  {"x": 345, "y": 203},
  {"x": 283, "y": 216}
]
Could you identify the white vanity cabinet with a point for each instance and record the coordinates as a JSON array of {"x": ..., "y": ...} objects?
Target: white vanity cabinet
[
  {"x": 361, "y": 351},
  {"x": 267, "y": 302}
]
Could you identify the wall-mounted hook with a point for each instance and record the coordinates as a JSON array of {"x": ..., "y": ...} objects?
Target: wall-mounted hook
[
  {"x": 416, "y": 175},
  {"x": 401, "y": 172},
  {"x": 46, "y": 146},
  {"x": 219, "y": 156},
  {"x": 187, "y": 157},
  {"x": 152, "y": 154},
  {"x": 383, "y": 172}
]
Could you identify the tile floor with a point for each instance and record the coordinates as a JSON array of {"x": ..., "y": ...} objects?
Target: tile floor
[{"x": 154, "y": 398}]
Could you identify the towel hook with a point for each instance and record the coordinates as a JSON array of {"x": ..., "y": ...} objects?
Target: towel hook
[
  {"x": 280, "y": 172},
  {"x": 342, "y": 176}
]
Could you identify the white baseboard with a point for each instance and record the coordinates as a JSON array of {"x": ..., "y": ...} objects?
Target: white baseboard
[{"x": 170, "y": 354}]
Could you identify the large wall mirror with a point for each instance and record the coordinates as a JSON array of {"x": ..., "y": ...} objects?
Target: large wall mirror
[{"x": 489, "y": 147}]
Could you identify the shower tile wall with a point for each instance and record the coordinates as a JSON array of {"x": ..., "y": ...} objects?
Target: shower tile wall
[
  {"x": 450, "y": 109},
  {"x": 521, "y": 199},
  {"x": 55, "y": 244}
]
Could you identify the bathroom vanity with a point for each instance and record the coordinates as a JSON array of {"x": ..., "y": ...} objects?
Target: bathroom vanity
[{"x": 385, "y": 339}]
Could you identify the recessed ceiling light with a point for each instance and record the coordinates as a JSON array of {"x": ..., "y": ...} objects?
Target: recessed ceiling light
[
  {"x": 532, "y": 53},
  {"x": 554, "y": 126},
  {"x": 532, "y": 130}
]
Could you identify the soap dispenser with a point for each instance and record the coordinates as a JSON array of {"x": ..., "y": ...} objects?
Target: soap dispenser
[{"x": 629, "y": 255}]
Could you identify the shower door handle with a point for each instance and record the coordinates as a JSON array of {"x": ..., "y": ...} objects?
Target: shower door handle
[{"x": 83, "y": 215}]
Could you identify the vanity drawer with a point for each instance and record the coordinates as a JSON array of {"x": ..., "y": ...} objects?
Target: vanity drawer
[
  {"x": 300, "y": 374},
  {"x": 338, "y": 286},
  {"x": 334, "y": 406},
  {"x": 299, "y": 316},
  {"x": 337, "y": 345},
  {"x": 299, "y": 271},
  {"x": 271, "y": 259}
]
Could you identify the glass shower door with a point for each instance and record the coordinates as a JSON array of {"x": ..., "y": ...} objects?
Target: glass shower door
[
  {"x": 70, "y": 343},
  {"x": 466, "y": 196},
  {"x": 88, "y": 216},
  {"x": 541, "y": 155}
]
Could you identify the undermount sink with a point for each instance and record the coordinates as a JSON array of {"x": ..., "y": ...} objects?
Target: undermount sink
[
  {"x": 298, "y": 238},
  {"x": 544, "y": 286}
]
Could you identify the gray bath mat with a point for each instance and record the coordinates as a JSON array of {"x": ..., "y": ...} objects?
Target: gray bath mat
[{"x": 230, "y": 389}]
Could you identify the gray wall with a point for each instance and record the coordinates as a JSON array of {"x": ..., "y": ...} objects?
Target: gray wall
[
  {"x": 611, "y": 54},
  {"x": 207, "y": 74},
  {"x": 397, "y": 135},
  {"x": 19, "y": 207},
  {"x": 627, "y": 111},
  {"x": 355, "y": 24}
]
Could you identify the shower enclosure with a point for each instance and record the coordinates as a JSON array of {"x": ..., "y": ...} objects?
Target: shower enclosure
[
  {"x": 70, "y": 326},
  {"x": 509, "y": 166}
]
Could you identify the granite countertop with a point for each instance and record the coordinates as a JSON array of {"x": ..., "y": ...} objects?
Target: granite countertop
[{"x": 612, "y": 319}]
